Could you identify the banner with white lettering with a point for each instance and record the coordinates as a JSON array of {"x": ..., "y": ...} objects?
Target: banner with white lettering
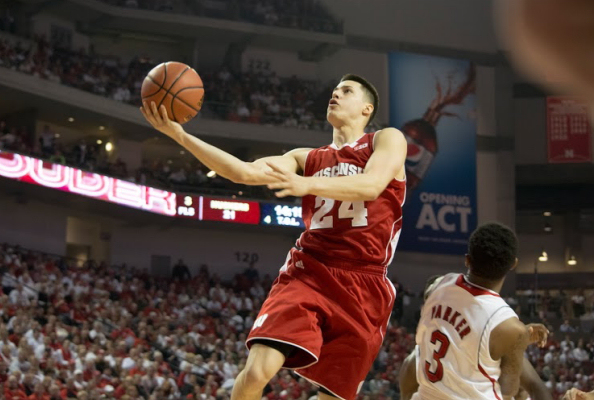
[{"x": 432, "y": 101}]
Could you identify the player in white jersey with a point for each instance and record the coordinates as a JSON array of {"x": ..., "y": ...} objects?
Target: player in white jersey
[
  {"x": 470, "y": 343},
  {"x": 531, "y": 384}
]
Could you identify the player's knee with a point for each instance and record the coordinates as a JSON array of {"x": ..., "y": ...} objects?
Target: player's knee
[{"x": 257, "y": 376}]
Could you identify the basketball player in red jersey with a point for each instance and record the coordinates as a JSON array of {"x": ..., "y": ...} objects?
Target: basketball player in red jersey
[{"x": 328, "y": 310}]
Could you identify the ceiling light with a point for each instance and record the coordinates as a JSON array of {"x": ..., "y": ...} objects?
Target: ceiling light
[
  {"x": 547, "y": 213},
  {"x": 99, "y": 141},
  {"x": 101, "y": 128},
  {"x": 70, "y": 119},
  {"x": 108, "y": 146},
  {"x": 211, "y": 174},
  {"x": 572, "y": 261},
  {"x": 543, "y": 257}
]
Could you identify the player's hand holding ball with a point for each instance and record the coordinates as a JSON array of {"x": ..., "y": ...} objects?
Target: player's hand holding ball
[
  {"x": 538, "y": 334},
  {"x": 159, "y": 119}
]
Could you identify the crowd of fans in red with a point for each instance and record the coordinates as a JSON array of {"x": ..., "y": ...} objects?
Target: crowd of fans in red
[
  {"x": 100, "y": 332},
  {"x": 256, "y": 95}
]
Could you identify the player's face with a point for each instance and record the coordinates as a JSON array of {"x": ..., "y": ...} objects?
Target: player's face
[{"x": 348, "y": 102}]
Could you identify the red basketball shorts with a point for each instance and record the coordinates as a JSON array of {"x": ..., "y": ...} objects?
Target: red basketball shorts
[{"x": 335, "y": 317}]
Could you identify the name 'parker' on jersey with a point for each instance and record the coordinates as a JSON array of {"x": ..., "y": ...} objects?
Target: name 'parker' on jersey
[{"x": 460, "y": 327}]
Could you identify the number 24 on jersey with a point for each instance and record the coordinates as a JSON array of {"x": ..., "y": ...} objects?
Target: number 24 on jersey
[{"x": 353, "y": 210}]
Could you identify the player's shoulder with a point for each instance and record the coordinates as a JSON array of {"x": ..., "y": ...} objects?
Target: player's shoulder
[
  {"x": 509, "y": 333},
  {"x": 439, "y": 285},
  {"x": 388, "y": 137}
]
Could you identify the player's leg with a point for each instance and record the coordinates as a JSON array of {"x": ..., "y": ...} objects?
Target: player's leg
[{"x": 262, "y": 364}]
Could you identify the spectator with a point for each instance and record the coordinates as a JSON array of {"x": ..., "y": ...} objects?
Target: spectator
[
  {"x": 58, "y": 158},
  {"x": 252, "y": 273},
  {"x": 567, "y": 343},
  {"x": 18, "y": 297},
  {"x": 579, "y": 353},
  {"x": 178, "y": 177},
  {"x": 47, "y": 139},
  {"x": 578, "y": 304},
  {"x": 181, "y": 271},
  {"x": 566, "y": 327},
  {"x": 39, "y": 393},
  {"x": 9, "y": 140}
]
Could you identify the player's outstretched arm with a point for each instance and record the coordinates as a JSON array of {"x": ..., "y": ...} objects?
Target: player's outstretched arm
[
  {"x": 576, "y": 394},
  {"x": 407, "y": 377},
  {"x": 508, "y": 343},
  {"x": 532, "y": 383},
  {"x": 385, "y": 164},
  {"x": 223, "y": 163}
]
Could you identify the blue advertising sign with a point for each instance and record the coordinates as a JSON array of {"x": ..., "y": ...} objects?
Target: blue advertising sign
[{"x": 432, "y": 101}]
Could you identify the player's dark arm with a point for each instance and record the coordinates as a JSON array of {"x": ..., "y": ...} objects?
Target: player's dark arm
[
  {"x": 508, "y": 342},
  {"x": 532, "y": 383},
  {"x": 221, "y": 162},
  {"x": 407, "y": 377}
]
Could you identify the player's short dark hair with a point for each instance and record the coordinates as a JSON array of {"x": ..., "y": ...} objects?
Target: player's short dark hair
[
  {"x": 492, "y": 249},
  {"x": 368, "y": 89}
]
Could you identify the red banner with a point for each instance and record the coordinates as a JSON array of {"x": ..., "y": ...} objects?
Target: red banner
[{"x": 569, "y": 130}]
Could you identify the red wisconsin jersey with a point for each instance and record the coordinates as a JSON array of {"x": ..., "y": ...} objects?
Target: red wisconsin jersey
[{"x": 357, "y": 233}]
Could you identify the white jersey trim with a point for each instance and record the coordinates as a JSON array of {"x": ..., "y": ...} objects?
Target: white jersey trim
[
  {"x": 392, "y": 301},
  {"x": 289, "y": 343},
  {"x": 390, "y": 244}
]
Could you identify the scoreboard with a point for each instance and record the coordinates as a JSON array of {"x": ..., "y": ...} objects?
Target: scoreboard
[
  {"x": 218, "y": 209},
  {"x": 282, "y": 215},
  {"x": 188, "y": 206},
  {"x": 179, "y": 205},
  {"x": 239, "y": 211}
]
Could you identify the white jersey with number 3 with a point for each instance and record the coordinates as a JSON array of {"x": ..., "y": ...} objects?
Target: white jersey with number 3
[{"x": 453, "y": 359}]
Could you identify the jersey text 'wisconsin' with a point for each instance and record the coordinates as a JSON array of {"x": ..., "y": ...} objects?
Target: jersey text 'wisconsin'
[{"x": 342, "y": 169}]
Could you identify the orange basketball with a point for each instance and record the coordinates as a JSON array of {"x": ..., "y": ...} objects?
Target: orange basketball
[
  {"x": 551, "y": 41},
  {"x": 176, "y": 86}
]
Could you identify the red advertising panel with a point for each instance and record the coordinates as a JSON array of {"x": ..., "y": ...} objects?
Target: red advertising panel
[
  {"x": 239, "y": 211},
  {"x": 569, "y": 130},
  {"x": 72, "y": 180}
]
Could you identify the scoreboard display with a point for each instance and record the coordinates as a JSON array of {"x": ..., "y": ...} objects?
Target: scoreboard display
[
  {"x": 188, "y": 206},
  {"x": 67, "y": 179},
  {"x": 281, "y": 215},
  {"x": 238, "y": 211}
]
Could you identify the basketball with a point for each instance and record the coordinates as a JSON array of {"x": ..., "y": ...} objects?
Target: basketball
[
  {"x": 551, "y": 42},
  {"x": 178, "y": 87}
]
